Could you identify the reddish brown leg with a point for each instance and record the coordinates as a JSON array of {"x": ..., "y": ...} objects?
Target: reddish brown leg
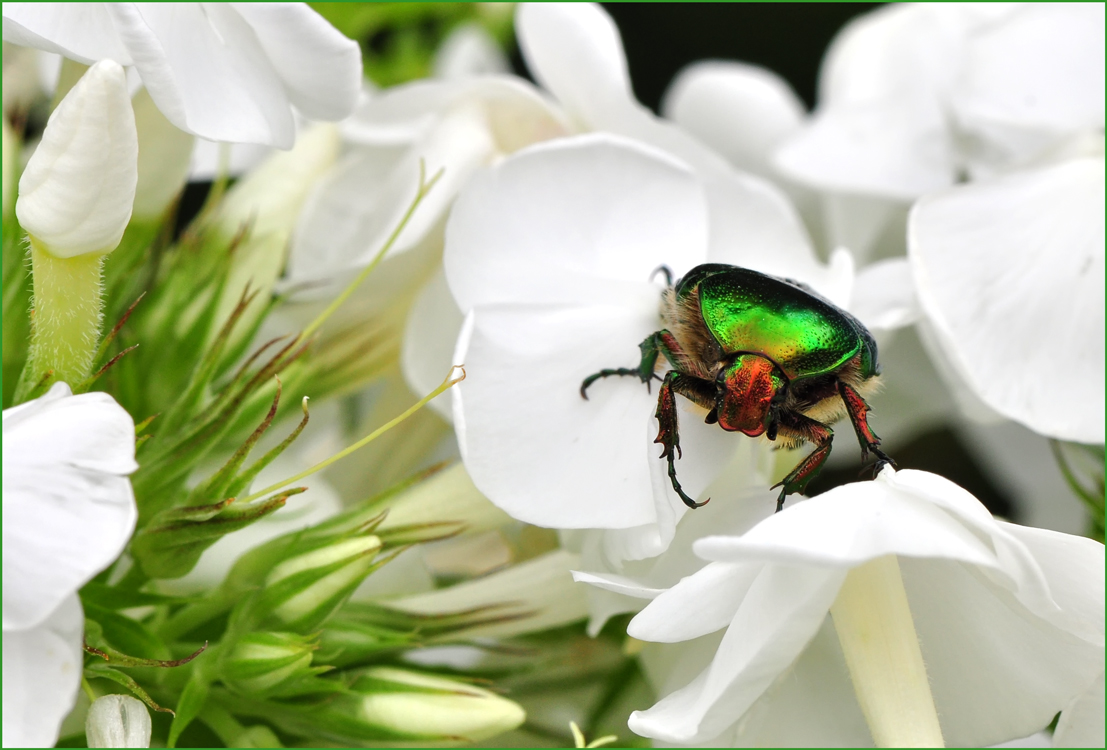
[
  {"x": 799, "y": 426},
  {"x": 858, "y": 412},
  {"x": 694, "y": 388}
]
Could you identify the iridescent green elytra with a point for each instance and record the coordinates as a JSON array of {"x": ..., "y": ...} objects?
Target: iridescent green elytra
[{"x": 764, "y": 355}]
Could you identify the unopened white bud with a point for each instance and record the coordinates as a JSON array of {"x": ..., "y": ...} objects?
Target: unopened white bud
[
  {"x": 118, "y": 721},
  {"x": 76, "y": 194},
  {"x": 435, "y": 706}
]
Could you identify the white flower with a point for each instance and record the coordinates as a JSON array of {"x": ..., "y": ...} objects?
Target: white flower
[
  {"x": 457, "y": 126},
  {"x": 226, "y": 72},
  {"x": 68, "y": 513},
  {"x": 913, "y": 97},
  {"x": 76, "y": 194},
  {"x": 1009, "y": 274},
  {"x": 552, "y": 251},
  {"x": 1009, "y": 619},
  {"x": 575, "y": 52}
]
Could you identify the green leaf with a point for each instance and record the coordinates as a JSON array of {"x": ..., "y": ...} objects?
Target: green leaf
[{"x": 192, "y": 701}]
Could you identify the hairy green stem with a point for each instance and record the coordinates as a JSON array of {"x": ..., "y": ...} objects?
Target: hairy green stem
[{"x": 66, "y": 316}]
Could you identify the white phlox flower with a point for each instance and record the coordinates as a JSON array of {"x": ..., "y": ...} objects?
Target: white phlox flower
[
  {"x": 914, "y": 98},
  {"x": 552, "y": 251},
  {"x": 227, "y": 72},
  {"x": 68, "y": 512},
  {"x": 575, "y": 52},
  {"x": 456, "y": 126},
  {"x": 1009, "y": 620}
]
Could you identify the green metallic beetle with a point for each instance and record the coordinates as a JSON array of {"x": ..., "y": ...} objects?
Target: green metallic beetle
[{"x": 766, "y": 356}]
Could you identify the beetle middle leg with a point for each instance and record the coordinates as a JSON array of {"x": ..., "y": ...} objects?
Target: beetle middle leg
[
  {"x": 659, "y": 342},
  {"x": 858, "y": 412},
  {"x": 699, "y": 391},
  {"x": 795, "y": 425}
]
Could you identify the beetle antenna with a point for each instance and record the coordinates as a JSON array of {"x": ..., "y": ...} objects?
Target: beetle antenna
[{"x": 665, "y": 271}]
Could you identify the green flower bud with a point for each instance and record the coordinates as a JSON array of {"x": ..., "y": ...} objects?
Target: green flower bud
[
  {"x": 261, "y": 663},
  {"x": 422, "y": 706},
  {"x": 386, "y": 704},
  {"x": 118, "y": 721},
  {"x": 304, "y": 590}
]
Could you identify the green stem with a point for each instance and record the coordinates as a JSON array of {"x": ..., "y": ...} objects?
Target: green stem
[
  {"x": 424, "y": 188},
  {"x": 446, "y": 384},
  {"x": 66, "y": 316},
  {"x": 878, "y": 638}
]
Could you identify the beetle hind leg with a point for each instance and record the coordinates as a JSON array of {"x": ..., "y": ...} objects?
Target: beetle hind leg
[
  {"x": 798, "y": 426},
  {"x": 858, "y": 412}
]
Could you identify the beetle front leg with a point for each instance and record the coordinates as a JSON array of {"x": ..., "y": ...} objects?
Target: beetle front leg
[
  {"x": 659, "y": 342},
  {"x": 798, "y": 426},
  {"x": 858, "y": 412},
  {"x": 667, "y": 433}
]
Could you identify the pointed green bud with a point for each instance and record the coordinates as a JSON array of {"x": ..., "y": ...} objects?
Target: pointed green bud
[
  {"x": 386, "y": 704},
  {"x": 261, "y": 663},
  {"x": 421, "y": 706},
  {"x": 118, "y": 721},
  {"x": 173, "y": 541},
  {"x": 304, "y": 590}
]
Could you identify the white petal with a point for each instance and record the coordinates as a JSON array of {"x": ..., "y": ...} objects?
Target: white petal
[
  {"x": 1003, "y": 267},
  {"x": 429, "y": 338},
  {"x": 706, "y": 602},
  {"x": 77, "y": 191},
  {"x": 997, "y": 670},
  {"x": 319, "y": 67},
  {"x": 531, "y": 444},
  {"x": 861, "y": 521},
  {"x": 617, "y": 584},
  {"x": 808, "y": 703},
  {"x": 740, "y": 110},
  {"x": 1033, "y": 79},
  {"x": 542, "y": 586},
  {"x": 206, "y": 70},
  {"x": 42, "y": 672},
  {"x": 782, "y": 611},
  {"x": 469, "y": 50},
  {"x": 164, "y": 155},
  {"x": 574, "y": 219},
  {"x": 270, "y": 197},
  {"x": 68, "y": 505},
  {"x": 753, "y": 225},
  {"x": 1081, "y": 723},
  {"x": 574, "y": 51},
  {"x": 880, "y": 128},
  {"x": 355, "y": 209},
  {"x": 211, "y": 159},
  {"x": 897, "y": 150},
  {"x": 81, "y": 31},
  {"x": 884, "y": 295}
]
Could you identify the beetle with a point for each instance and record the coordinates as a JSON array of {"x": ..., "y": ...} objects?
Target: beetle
[{"x": 765, "y": 356}]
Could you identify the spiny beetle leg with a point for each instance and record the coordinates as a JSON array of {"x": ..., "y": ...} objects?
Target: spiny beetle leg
[
  {"x": 667, "y": 433},
  {"x": 659, "y": 342},
  {"x": 799, "y": 426},
  {"x": 858, "y": 412}
]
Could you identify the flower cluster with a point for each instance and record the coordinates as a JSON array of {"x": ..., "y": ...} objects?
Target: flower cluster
[{"x": 611, "y": 298}]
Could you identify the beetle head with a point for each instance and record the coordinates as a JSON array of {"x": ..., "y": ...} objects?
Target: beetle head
[{"x": 745, "y": 393}]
